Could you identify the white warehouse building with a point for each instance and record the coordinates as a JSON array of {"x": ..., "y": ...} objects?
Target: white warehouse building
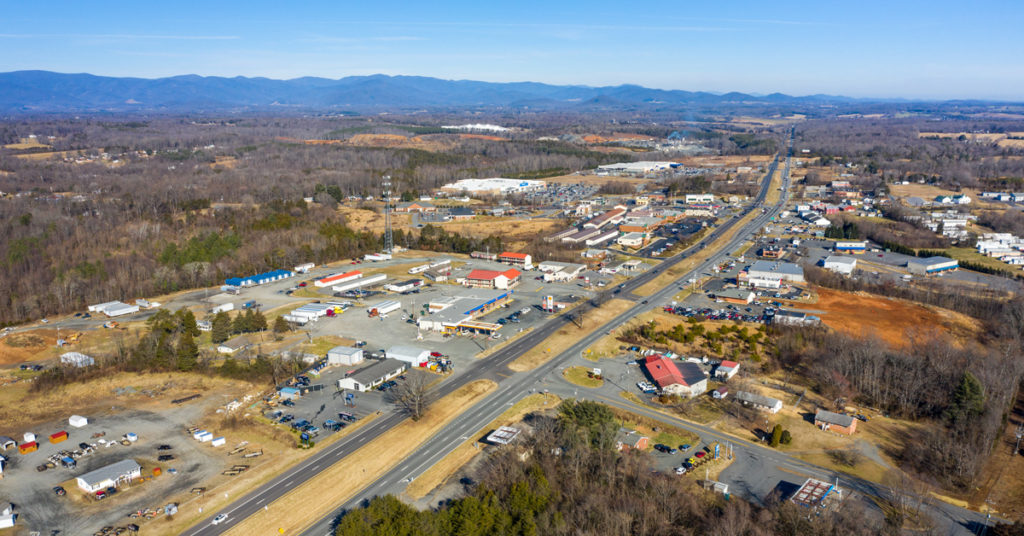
[{"x": 840, "y": 264}]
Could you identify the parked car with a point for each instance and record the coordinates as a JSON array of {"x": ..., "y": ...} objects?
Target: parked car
[
  {"x": 700, "y": 454},
  {"x": 164, "y": 447},
  {"x": 59, "y": 491},
  {"x": 662, "y": 448}
]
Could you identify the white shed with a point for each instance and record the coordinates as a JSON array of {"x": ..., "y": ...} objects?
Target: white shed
[
  {"x": 344, "y": 355},
  {"x": 78, "y": 421}
]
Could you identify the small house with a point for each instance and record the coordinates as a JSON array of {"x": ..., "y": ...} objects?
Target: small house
[
  {"x": 835, "y": 422},
  {"x": 720, "y": 393},
  {"x": 233, "y": 345},
  {"x": 759, "y": 402},
  {"x": 115, "y": 474},
  {"x": 630, "y": 439}
]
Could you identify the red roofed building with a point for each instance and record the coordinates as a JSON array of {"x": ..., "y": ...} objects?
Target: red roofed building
[
  {"x": 337, "y": 279},
  {"x": 493, "y": 279},
  {"x": 664, "y": 372},
  {"x": 516, "y": 259}
]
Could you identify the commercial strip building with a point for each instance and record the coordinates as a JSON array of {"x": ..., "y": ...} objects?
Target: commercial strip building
[
  {"x": 114, "y": 308},
  {"x": 493, "y": 279},
  {"x": 560, "y": 271},
  {"x": 259, "y": 279},
  {"x": 611, "y": 217},
  {"x": 367, "y": 378},
  {"x": 635, "y": 168},
  {"x": 495, "y": 185},
  {"x": 840, "y": 264},
  {"x": 453, "y": 314},
  {"x": 337, "y": 279},
  {"x": 632, "y": 240},
  {"x": 931, "y": 265},
  {"x": 851, "y": 247},
  {"x": 771, "y": 270},
  {"x": 115, "y": 474},
  {"x": 522, "y": 260},
  {"x": 360, "y": 283}
]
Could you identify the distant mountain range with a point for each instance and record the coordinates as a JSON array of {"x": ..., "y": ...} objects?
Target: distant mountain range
[{"x": 45, "y": 92}]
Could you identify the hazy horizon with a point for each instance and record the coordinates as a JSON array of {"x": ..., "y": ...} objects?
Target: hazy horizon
[{"x": 936, "y": 51}]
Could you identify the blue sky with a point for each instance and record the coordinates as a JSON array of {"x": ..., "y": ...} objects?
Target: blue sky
[{"x": 936, "y": 49}]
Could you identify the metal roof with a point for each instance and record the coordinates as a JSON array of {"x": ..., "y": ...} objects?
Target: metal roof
[
  {"x": 113, "y": 471},
  {"x": 378, "y": 370},
  {"x": 786, "y": 268},
  {"x": 833, "y": 418}
]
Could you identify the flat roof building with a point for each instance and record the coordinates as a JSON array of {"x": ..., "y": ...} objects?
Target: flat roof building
[
  {"x": 344, "y": 355},
  {"x": 840, "y": 264},
  {"x": 931, "y": 265},
  {"x": 785, "y": 271}
]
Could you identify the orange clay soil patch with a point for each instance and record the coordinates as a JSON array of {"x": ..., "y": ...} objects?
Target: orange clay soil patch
[
  {"x": 480, "y": 137},
  {"x": 887, "y": 318},
  {"x": 26, "y": 345}
]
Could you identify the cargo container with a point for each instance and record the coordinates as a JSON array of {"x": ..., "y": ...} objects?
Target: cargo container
[
  {"x": 58, "y": 437},
  {"x": 217, "y": 441},
  {"x": 25, "y": 448}
]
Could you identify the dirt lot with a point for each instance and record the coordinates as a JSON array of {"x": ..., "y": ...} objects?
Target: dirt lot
[
  {"x": 727, "y": 161},
  {"x": 594, "y": 179},
  {"x": 151, "y": 415},
  {"x": 27, "y": 346},
  {"x": 890, "y": 319},
  {"x": 514, "y": 232},
  {"x": 368, "y": 220},
  {"x": 564, "y": 338},
  {"x": 1002, "y": 481},
  {"x": 334, "y": 485}
]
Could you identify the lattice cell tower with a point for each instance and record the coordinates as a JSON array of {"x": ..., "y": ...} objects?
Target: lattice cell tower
[{"x": 388, "y": 243}]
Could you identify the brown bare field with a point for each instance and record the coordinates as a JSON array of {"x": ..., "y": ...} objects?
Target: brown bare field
[
  {"x": 224, "y": 162},
  {"x": 891, "y": 320},
  {"x": 1015, "y": 144},
  {"x": 19, "y": 408},
  {"x": 565, "y": 337},
  {"x": 368, "y": 220},
  {"x": 727, "y": 161},
  {"x": 312, "y": 500},
  {"x": 514, "y": 232},
  {"x": 481, "y": 137},
  {"x": 26, "y": 346},
  {"x": 26, "y": 143},
  {"x": 399, "y": 141},
  {"x": 618, "y": 136},
  {"x": 461, "y": 455},
  {"x": 44, "y": 156}
]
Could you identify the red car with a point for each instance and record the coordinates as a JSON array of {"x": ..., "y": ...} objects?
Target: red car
[
  {"x": 302, "y": 284},
  {"x": 700, "y": 454},
  {"x": 435, "y": 354}
]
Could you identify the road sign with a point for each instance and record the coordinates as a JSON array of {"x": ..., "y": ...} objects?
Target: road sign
[{"x": 716, "y": 450}]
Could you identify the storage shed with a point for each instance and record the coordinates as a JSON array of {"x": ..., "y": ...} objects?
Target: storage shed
[
  {"x": 78, "y": 421},
  {"x": 288, "y": 393},
  {"x": 344, "y": 355},
  {"x": 115, "y": 474}
]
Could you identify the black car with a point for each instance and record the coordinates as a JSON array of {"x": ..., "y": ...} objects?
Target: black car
[
  {"x": 662, "y": 448},
  {"x": 59, "y": 491},
  {"x": 83, "y": 446},
  {"x": 165, "y": 457},
  {"x": 164, "y": 447}
]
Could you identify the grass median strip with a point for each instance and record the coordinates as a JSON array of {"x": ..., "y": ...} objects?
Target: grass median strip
[
  {"x": 461, "y": 455},
  {"x": 330, "y": 488},
  {"x": 568, "y": 335}
]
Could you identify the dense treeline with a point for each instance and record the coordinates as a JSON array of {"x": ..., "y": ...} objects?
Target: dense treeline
[
  {"x": 574, "y": 482},
  {"x": 892, "y": 149},
  {"x": 963, "y": 393}
]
